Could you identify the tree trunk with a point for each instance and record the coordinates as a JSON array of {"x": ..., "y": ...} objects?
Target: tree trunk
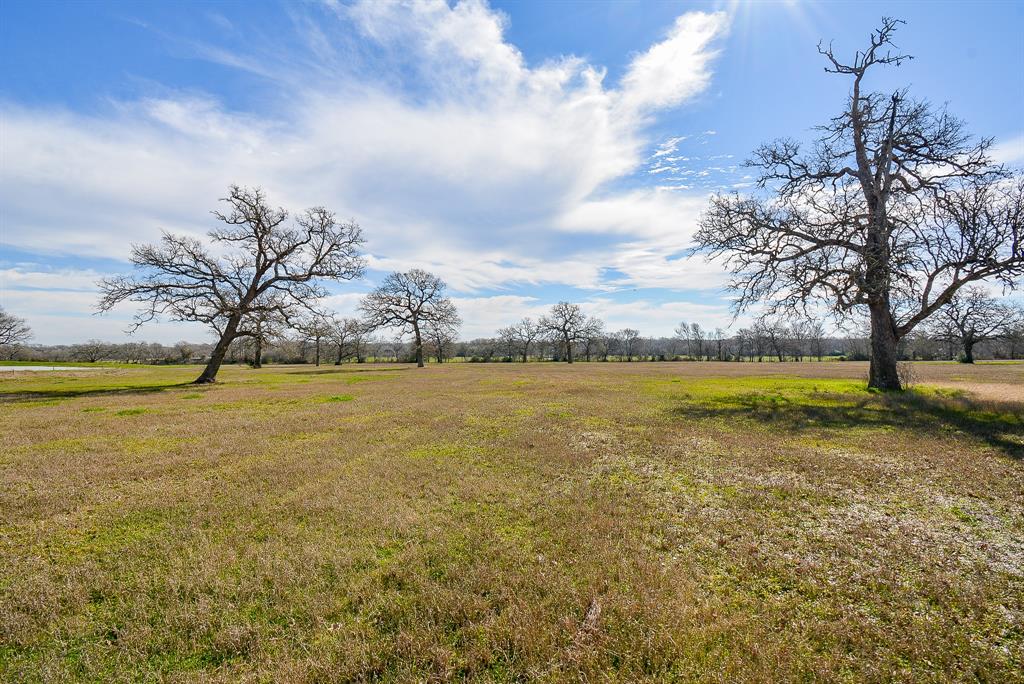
[
  {"x": 209, "y": 373},
  {"x": 568, "y": 350},
  {"x": 316, "y": 354},
  {"x": 257, "y": 356},
  {"x": 968, "y": 351},
  {"x": 419, "y": 346},
  {"x": 883, "y": 374}
]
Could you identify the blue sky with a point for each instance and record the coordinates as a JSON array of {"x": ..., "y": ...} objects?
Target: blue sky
[{"x": 527, "y": 152}]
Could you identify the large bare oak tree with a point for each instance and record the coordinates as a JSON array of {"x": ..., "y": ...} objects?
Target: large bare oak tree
[
  {"x": 893, "y": 210},
  {"x": 410, "y": 301},
  {"x": 258, "y": 266},
  {"x": 13, "y": 332}
]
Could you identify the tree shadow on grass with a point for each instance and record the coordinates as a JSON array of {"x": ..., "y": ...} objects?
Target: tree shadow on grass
[
  {"x": 16, "y": 396},
  {"x": 998, "y": 424}
]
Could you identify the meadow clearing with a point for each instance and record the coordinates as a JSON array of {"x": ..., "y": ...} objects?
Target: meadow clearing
[{"x": 512, "y": 522}]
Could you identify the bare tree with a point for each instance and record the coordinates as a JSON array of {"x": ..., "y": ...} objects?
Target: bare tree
[
  {"x": 1014, "y": 337},
  {"x": 974, "y": 316},
  {"x": 682, "y": 333},
  {"x": 316, "y": 327},
  {"x": 774, "y": 333},
  {"x": 567, "y": 324},
  {"x": 184, "y": 351},
  {"x": 527, "y": 330},
  {"x": 745, "y": 343},
  {"x": 382, "y": 348},
  {"x": 895, "y": 208},
  {"x": 270, "y": 267},
  {"x": 593, "y": 336},
  {"x": 346, "y": 335},
  {"x": 507, "y": 339},
  {"x": 14, "y": 331},
  {"x": 521, "y": 335},
  {"x": 630, "y": 338},
  {"x": 816, "y": 337},
  {"x": 90, "y": 350},
  {"x": 266, "y": 325},
  {"x": 799, "y": 333},
  {"x": 442, "y": 336},
  {"x": 409, "y": 301},
  {"x": 130, "y": 352},
  {"x": 697, "y": 334},
  {"x": 718, "y": 337}
]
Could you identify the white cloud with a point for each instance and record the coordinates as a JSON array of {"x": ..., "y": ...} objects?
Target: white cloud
[
  {"x": 657, "y": 319},
  {"x": 64, "y": 279},
  {"x": 60, "y": 307},
  {"x": 1009, "y": 151},
  {"x": 483, "y": 316},
  {"x": 492, "y": 172},
  {"x": 676, "y": 68}
]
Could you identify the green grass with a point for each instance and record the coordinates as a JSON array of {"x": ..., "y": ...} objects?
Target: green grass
[
  {"x": 507, "y": 523},
  {"x": 838, "y": 407},
  {"x": 339, "y": 397}
]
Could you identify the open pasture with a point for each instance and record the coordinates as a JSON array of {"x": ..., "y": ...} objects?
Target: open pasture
[{"x": 512, "y": 522}]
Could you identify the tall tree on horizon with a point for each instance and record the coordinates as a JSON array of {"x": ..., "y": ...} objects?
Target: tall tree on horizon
[
  {"x": 410, "y": 301},
  {"x": 567, "y": 325},
  {"x": 895, "y": 208}
]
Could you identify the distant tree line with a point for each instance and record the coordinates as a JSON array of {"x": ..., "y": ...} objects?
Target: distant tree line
[{"x": 975, "y": 325}]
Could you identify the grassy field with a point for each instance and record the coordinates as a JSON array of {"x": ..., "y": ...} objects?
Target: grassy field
[{"x": 508, "y": 522}]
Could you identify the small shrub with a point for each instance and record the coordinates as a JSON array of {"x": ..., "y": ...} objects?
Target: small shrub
[{"x": 906, "y": 373}]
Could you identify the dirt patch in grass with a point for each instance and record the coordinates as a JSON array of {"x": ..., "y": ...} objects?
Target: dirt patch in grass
[{"x": 994, "y": 391}]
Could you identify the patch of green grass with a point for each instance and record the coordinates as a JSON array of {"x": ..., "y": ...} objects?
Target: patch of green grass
[
  {"x": 439, "y": 450},
  {"x": 137, "y": 411},
  {"x": 743, "y": 390},
  {"x": 339, "y": 397},
  {"x": 61, "y": 445},
  {"x": 38, "y": 403},
  {"x": 105, "y": 536},
  {"x": 843, "y": 407}
]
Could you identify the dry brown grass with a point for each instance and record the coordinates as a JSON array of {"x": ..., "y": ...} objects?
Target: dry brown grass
[{"x": 507, "y": 522}]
